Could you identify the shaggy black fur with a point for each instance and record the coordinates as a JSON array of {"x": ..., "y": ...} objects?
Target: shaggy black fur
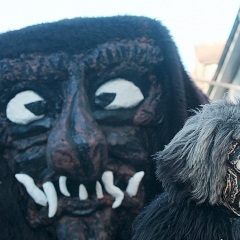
[{"x": 163, "y": 220}]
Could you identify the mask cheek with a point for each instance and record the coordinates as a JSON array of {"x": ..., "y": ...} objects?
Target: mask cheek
[
  {"x": 32, "y": 161},
  {"x": 129, "y": 144},
  {"x": 231, "y": 193}
]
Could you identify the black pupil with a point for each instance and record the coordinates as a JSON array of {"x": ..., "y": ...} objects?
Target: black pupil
[
  {"x": 38, "y": 108},
  {"x": 104, "y": 99}
]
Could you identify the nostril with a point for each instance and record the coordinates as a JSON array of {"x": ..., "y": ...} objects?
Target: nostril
[{"x": 84, "y": 148}]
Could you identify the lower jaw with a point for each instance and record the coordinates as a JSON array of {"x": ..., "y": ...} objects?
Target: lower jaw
[
  {"x": 102, "y": 224},
  {"x": 86, "y": 220},
  {"x": 38, "y": 216}
]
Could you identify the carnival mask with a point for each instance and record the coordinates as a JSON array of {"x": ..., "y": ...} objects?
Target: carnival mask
[{"x": 81, "y": 117}]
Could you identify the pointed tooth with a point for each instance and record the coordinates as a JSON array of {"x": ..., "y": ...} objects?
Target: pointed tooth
[
  {"x": 133, "y": 184},
  {"x": 118, "y": 201},
  {"x": 83, "y": 194},
  {"x": 107, "y": 179},
  {"x": 63, "y": 186},
  {"x": 51, "y": 194},
  {"x": 36, "y": 193},
  {"x": 99, "y": 190}
]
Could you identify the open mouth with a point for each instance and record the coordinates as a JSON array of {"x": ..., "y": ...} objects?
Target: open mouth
[{"x": 53, "y": 198}]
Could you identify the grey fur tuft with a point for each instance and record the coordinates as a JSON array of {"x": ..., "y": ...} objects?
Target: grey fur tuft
[{"x": 196, "y": 157}]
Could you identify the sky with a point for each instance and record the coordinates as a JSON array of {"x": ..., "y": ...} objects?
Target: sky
[{"x": 190, "y": 22}]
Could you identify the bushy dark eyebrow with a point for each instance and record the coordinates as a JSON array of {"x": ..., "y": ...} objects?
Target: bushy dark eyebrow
[
  {"x": 142, "y": 51},
  {"x": 33, "y": 67}
]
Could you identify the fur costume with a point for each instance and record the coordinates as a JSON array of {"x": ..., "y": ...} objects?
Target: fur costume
[
  {"x": 75, "y": 152},
  {"x": 200, "y": 173}
]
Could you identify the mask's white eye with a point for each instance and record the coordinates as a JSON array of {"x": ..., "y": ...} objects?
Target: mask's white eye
[
  {"x": 238, "y": 165},
  {"x": 118, "y": 93},
  {"x": 25, "y": 107}
]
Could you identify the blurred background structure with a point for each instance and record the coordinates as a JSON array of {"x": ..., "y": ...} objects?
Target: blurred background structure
[
  {"x": 207, "y": 58},
  {"x": 217, "y": 70}
]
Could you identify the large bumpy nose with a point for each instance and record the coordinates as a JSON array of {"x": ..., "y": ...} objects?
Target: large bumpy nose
[{"x": 76, "y": 146}]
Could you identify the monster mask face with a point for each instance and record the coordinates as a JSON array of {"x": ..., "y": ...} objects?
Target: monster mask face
[
  {"x": 231, "y": 193},
  {"x": 79, "y": 126}
]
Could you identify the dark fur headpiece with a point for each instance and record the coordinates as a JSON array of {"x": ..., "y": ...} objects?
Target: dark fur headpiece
[{"x": 193, "y": 170}]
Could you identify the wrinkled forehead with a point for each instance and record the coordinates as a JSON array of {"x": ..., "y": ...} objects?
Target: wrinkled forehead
[{"x": 140, "y": 53}]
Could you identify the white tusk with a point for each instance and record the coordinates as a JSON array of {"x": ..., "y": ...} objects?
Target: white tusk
[
  {"x": 107, "y": 179},
  {"x": 51, "y": 194},
  {"x": 63, "y": 186},
  {"x": 83, "y": 194},
  {"x": 99, "y": 190},
  {"x": 36, "y": 193},
  {"x": 133, "y": 183}
]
